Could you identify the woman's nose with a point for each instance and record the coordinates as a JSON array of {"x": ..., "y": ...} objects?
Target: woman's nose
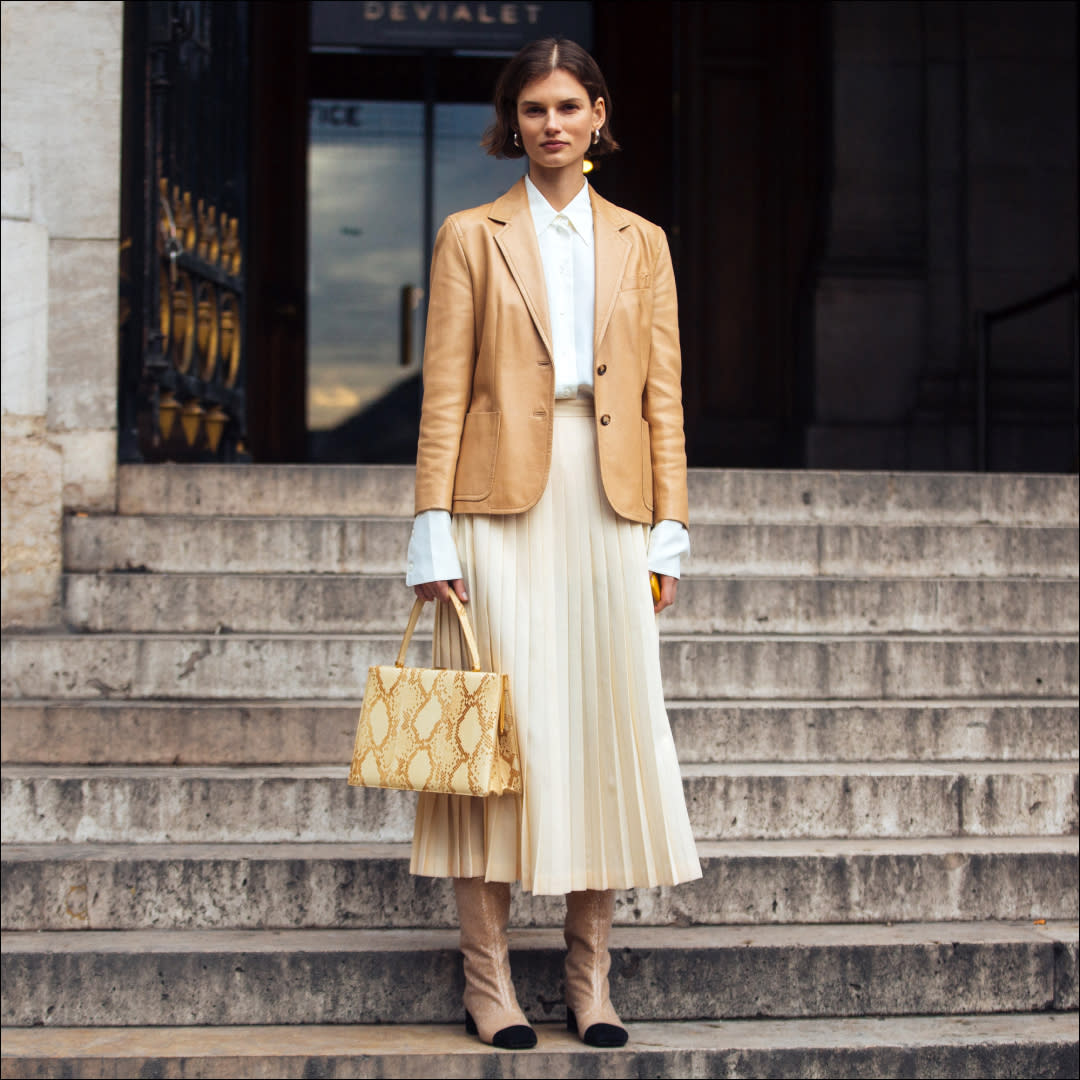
[{"x": 552, "y": 121}]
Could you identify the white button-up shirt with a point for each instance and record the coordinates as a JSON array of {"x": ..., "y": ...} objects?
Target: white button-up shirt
[{"x": 566, "y": 252}]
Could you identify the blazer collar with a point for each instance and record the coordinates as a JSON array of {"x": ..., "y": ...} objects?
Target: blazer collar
[{"x": 517, "y": 241}]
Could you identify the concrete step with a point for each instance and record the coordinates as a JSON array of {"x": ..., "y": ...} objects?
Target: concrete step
[
  {"x": 715, "y": 494},
  {"x": 314, "y": 804},
  {"x": 766, "y": 666},
  {"x": 149, "y": 732},
  {"x": 1013, "y": 1044},
  {"x": 368, "y": 886},
  {"x": 216, "y": 977},
  {"x": 357, "y": 603},
  {"x": 335, "y": 545}
]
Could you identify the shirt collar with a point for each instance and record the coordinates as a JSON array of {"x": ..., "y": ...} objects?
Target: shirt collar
[{"x": 578, "y": 211}]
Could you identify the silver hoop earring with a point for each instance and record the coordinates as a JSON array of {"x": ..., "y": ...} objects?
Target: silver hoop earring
[
  {"x": 517, "y": 141},
  {"x": 595, "y": 136}
]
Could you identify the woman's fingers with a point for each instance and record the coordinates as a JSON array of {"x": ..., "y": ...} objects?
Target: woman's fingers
[
  {"x": 669, "y": 586},
  {"x": 440, "y": 590}
]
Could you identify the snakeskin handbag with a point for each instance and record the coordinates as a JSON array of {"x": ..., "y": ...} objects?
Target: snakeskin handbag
[{"x": 429, "y": 729}]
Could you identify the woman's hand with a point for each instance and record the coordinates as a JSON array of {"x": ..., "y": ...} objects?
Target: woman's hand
[
  {"x": 669, "y": 586},
  {"x": 440, "y": 590}
]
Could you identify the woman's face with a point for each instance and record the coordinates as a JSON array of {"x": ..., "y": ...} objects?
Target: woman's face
[{"x": 556, "y": 120}]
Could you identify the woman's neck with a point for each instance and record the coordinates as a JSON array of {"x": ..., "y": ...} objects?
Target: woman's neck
[{"x": 558, "y": 186}]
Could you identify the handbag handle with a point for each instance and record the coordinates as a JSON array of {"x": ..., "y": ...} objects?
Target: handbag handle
[{"x": 466, "y": 626}]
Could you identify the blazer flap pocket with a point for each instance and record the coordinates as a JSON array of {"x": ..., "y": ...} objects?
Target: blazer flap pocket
[{"x": 475, "y": 475}]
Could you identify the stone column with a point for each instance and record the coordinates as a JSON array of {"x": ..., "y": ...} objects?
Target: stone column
[{"x": 60, "y": 77}]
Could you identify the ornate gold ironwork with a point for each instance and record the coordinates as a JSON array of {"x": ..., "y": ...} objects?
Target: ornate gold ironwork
[
  {"x": 231, "y": 259},
  {"x": 191, "y": 418},
  {"x": 183, "y": 197},
  {"x": 206, "y": 329},
  {"x": 168, "y": 407},
  {"x": 216, "y": 421},
  {"x": 230, "y": 340},
  {"x": 182, "y": 296},
  {"x": 186, "y": 229},
  {"x": 209, "y": 242}
]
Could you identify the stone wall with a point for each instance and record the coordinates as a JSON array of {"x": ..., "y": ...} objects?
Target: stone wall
[
  {"x": 60, "y": 77},
  {"x": 954, "y": 178}
]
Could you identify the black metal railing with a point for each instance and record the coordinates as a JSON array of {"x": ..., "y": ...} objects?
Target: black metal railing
[
  {"x": 985, "y": 321},
  {"x": 182, "y": 274}
]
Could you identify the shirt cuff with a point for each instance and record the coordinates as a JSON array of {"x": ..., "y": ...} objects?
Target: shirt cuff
[
  {"x": 668, "y": 543},
  {"x": 432, "y": 551}
]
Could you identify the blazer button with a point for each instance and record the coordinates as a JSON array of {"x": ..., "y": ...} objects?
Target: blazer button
[
  {"x": 601, "y": 369},
  {"x": 605, "y": 419}
]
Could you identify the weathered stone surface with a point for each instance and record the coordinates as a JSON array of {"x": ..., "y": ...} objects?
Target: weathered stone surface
[
  {"x": 876, "y": 731},
  {"x": 31, "y": 480},
  {"x": 60, "y": 73},
  {"x": 350, "y": 976},
  {"x": 314, "y": 804},
  {"x": 24, "y": 287},
  {"x": 89, "y": 469},
  {"x": 82, "y": 335},
  {"x": 351, "y": 603},
  {"x": 1025, "y": 1044},
  {"x": 268, "y": 490},
  {"x": 149, "y": 732},
  {"x": 368, "y": 886},
  {"x": 754, "y": 496},
  {"x": 241, "y": 666},
  {"x": 311, "y": 545},
  {"x": 243, "y": 545},
  {"x": 15, "y": 198}
]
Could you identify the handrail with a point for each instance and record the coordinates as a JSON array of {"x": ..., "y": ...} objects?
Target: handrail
[{"x": 984, "y": 323}]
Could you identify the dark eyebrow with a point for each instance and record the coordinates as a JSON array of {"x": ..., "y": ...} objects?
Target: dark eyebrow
[{"x": 565, "y": 101}]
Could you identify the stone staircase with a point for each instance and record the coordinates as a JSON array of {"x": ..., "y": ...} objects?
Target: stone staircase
[{"x": 873, "y": 686}]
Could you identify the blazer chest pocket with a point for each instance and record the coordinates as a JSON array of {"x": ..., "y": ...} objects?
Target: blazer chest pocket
[
  {"x": 475, "y": 476},
  {"x": 634, "y": 281}
]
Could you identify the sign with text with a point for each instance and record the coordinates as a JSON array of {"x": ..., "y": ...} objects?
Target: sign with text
[{"x": 440, "y": 24}]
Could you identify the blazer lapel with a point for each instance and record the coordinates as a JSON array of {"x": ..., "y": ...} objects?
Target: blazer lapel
[
  {"x": 518, "y": 244},
  {"x": 612, "y": 251}
]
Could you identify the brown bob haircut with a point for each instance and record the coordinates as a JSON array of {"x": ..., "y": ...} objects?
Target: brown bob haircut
[{"x": 535, "y": 61}]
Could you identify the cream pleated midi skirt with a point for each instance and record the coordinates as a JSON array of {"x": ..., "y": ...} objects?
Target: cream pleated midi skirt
[{"x": 560, "y": 600}]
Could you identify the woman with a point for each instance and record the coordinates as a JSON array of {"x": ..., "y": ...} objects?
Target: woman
[{"x": 552, "y": 431}]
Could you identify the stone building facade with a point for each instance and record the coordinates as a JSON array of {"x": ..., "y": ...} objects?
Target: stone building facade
[{"x": 949, "y": 154}]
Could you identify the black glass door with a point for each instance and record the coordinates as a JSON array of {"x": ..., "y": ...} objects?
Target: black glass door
[{"x": 386, "y": 164}]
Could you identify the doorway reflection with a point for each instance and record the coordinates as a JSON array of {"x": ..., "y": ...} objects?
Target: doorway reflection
[{"x": 371, "y": 166}]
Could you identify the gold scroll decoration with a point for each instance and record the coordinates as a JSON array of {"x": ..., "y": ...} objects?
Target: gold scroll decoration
[
  {"x": 209, "y": 244},
  {"x": 191, "y": 420},
  {"x": 182, "y": 297},
  {"x": 230, "y": 338},
  {"x": 206, "y": 330},
  {"x": 215, "y": 421},
  {"x": 231, "y": 260}
]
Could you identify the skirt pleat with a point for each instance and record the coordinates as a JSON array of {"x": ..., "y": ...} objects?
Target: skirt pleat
[{"x": 560, "y": 601}]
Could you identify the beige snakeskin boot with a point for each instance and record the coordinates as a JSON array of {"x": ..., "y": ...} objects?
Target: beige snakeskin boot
[
  {"x": 588, "y": 1006},
  {"x": 491, "y": 1007}
]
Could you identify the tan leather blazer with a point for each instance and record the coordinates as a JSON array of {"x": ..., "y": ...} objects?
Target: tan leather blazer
[{"x": 489, "y": 378}]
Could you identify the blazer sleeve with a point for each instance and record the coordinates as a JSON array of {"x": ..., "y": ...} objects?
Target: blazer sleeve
[
  {"x": 662, "y": 404},
  {"x": 449, "y": 361}
]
